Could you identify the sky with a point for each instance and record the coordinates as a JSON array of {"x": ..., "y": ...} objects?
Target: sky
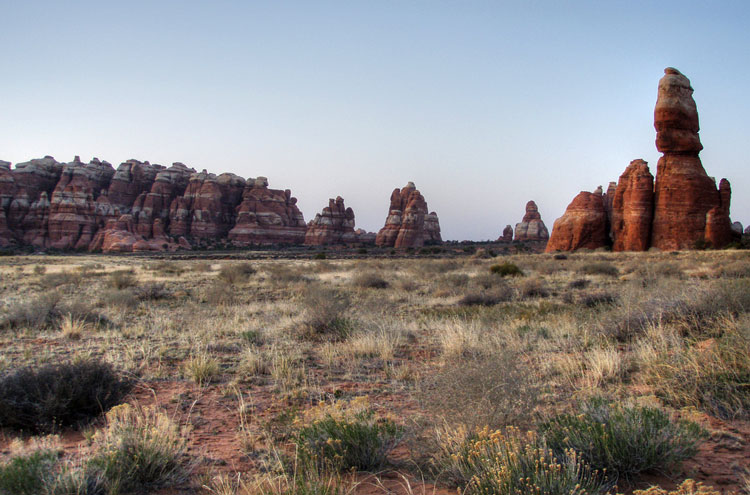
[{"x": 483, "y": 104}]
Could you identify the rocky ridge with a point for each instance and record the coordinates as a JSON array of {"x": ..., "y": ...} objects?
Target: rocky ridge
[{"x": 139, "y": 207}]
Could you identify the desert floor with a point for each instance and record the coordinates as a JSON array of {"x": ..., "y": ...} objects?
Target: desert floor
[{"x": 239, "y": 353}]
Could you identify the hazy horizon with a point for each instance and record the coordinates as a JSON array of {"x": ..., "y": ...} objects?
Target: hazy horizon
[{"x": 484, "y": 106}]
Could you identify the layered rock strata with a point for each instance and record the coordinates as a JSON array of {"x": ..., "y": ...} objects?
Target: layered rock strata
[
  {"x": 138, "y": 207},
  {"x": 688, "y": 208},
  {"x": 267, "y": 216},
  {"x": 681, "y": 208},
  {"x": 334, "y": 225},
  {"x": 409, "y": 222},
  {"x": 531, "y": 227},
  {"x": 633, "y": 208}
]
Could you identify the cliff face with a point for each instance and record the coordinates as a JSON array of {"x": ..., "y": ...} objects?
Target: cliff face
[
  {"x": 139, "y": 206},
  {"x": 680, "y": 209},
  {"x": 584, "y": 224}
]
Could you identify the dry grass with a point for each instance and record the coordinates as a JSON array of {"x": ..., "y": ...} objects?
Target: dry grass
[{"x": 431, "y": 340}]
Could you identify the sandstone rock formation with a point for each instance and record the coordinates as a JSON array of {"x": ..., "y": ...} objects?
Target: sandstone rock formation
[
  {"x": 747, "y": 230},
  {"x": 267, "y": 216},
  {"x": 138, "y": 207},
  {"x": 364, "y": 237},
  {"x": 531, "y": 227},
  {"x": 507, "y": 234},
  {"x": 688, "y": 208},
  {"x": 682, "y": 208},
  {"x": 737, "y": 228},
  {"x": 633, "y": 208},
  {"x": 334, "y": 225},
  {"x": 409, "y": 224},
  {"x": 583, "y": 225}
]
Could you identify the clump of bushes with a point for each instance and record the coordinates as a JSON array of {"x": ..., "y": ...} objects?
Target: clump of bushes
[
  {"x": 122, "y": 279},
  {"x": 236, "y": 273},
  {"x": 28, "y": 474},
  {"x": 509, "y": 462},
  {"x": 369, "y": 280},
  {"x": 623, "y": 440},
  {"x": 52, "y": 396},
  {"x": 138, "y": 451},
  {"x": 599, "y": 268},
  {"x": 597, "y": 298},
  {"x": 39, "y": 313},
  {"x": 533, "y": 287},
  {"x": 488, "y": 297},
  {"x": 506, "y": 269},
  {"x": 325, "y": 313},
  {"x": 492, "y": 390},
  {"x": 344, "y": 438}
]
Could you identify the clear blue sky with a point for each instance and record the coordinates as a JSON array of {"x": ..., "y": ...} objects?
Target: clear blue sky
[{"x": 484, "y": 105}]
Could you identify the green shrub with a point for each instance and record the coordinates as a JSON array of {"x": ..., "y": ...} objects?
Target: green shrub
[
  {"x": 512, "y": 463},
  {"x": 52, "y": 396},
  {"x": 319, "y": 256},
  {"x": 358, "y": 441},
  {"x": 28, "y": 474},
  {"x": 623, "y": 440},
  {"x": 506, "y": 269},
  {"x": 139, "y": 450}
]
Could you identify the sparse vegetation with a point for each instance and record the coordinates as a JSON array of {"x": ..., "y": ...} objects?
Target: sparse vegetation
[{"x": 432, "y": 342}]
